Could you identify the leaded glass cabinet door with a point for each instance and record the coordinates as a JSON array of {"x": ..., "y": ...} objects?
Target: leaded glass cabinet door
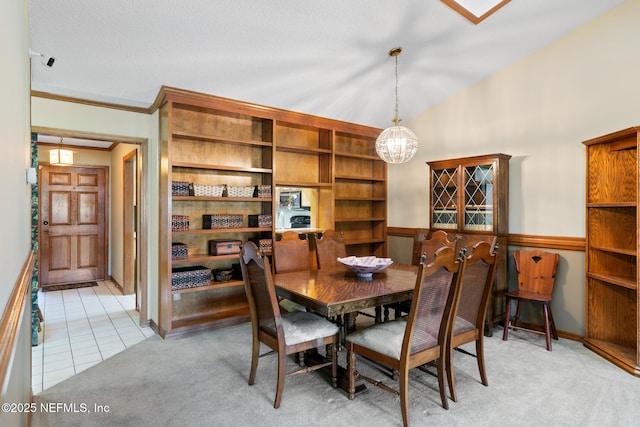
[
  {"x": 478, "y": 198},
  {"x": 444, "y": 197}
]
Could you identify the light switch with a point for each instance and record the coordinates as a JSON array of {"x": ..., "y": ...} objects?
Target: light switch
[{"x": 32, "y": 176}]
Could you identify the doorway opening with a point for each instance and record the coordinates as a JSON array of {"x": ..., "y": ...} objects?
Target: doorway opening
[{"x": 127, "y": 177}]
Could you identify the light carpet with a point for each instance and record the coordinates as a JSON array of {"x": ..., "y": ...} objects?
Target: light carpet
[{"x": 201, "y": 380}]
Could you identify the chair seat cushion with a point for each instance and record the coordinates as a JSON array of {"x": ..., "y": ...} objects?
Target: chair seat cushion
[
  {"x": 302, "y": 326},
  {"x": 385, "y": 338}
]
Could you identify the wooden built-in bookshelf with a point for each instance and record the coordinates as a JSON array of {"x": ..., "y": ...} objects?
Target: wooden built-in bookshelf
[{"x": 210, "y": 140}]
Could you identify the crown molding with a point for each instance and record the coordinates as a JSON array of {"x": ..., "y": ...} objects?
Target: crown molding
[{"x": 46, "y": 95}]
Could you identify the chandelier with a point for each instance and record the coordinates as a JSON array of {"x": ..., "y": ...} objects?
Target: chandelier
[{"x": 396, "y": 144}]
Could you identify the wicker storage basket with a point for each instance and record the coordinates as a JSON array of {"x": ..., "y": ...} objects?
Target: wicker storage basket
[
  {"x": 249, "y": 191},
  {"x": 264, "y": 191},
  {"x": 190, "y": 277},
  {"x": 262, "y": 221},
  {"x": 181, "y": 188},
  {"x": 265, "y": 245},
  {"x": 222, "y": 221},
  {"x": 179, "y": 222},
  {"x": 179, "y": 250},
  {"x": 208, "y": 190}
]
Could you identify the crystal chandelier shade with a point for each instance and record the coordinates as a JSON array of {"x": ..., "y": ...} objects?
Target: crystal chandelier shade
[{"x": 396, "y": 144}]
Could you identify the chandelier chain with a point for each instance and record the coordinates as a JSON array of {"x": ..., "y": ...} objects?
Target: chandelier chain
[{"x": 396, "y": 119}]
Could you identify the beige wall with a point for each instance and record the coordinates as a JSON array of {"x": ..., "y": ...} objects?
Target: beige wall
[
  {"x": 57, "y": 114},
  {"x": 15, "y": 140},
  {"x": 15, "y": 218},
  {"x": 538, "y": 110}
]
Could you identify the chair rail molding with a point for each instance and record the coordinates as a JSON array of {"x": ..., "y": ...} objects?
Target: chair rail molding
[
  {"x": 524, "y": 240},
  {"x": 11, "y": 319}
]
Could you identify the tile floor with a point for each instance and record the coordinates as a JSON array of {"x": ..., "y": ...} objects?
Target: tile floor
[{"x": 82, "y": 327}]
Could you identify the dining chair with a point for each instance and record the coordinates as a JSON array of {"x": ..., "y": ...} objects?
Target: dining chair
[
  {"x": 285, "y": 334},
  {"x": 434, "y": 239},
  {"x": 291, "y": 253},
  {"x": 423, "y": 243},
  {"x": 403, "y": 345},
  {"x": 468, "y": 325},
  {"x": 330, "y": 246},
  {"x": 536, "y": 277}
]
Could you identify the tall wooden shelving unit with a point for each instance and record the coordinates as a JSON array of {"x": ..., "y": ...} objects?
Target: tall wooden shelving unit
[
  {"x": 211, "y": 140},
  {"x": 360, "y": 189},
  {"x": 470, "y": 200},
  {"x": 612, "y": 310}
]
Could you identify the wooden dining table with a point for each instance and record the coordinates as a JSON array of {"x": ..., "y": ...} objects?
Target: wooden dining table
[{"x": 341, "y": 293}]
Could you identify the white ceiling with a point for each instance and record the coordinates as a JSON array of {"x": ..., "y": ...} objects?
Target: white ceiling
[{"x": 327, "y": 58}]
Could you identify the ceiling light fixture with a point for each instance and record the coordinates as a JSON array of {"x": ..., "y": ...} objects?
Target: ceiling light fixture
[
  {"x": 60, "y": 157},
  {"x": 396, "y": 144}
]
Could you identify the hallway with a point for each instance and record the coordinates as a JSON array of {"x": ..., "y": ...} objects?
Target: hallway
[{"x": 81, "y": 328}]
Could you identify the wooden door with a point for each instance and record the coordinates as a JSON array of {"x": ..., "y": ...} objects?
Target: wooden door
[{"x": 72, "y": 224}]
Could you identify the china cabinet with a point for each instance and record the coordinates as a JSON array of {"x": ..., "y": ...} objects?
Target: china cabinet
[
  {"x": 470, "y": 200},
  {"x": 612, "y": 312}
]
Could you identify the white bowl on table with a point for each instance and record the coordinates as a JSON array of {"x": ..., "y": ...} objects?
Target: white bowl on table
[{"x": 365, "y": 266}]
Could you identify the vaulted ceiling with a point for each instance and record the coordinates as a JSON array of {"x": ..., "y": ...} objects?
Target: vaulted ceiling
[{"x": 328, "y": 58}]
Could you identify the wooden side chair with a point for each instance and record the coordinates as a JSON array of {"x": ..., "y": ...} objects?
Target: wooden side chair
[
  {"x": 291, "y": 253},
  {"x": 329, "y": 247},
  {"x": 536, "y": 278},
  {"x": 423, "y": 244},
  {"x": 284, "y": 334},
  {"x": 403, "y": 345},
  {"x": 475, "y": 291},
  {"x": 419, "y": 236}
]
